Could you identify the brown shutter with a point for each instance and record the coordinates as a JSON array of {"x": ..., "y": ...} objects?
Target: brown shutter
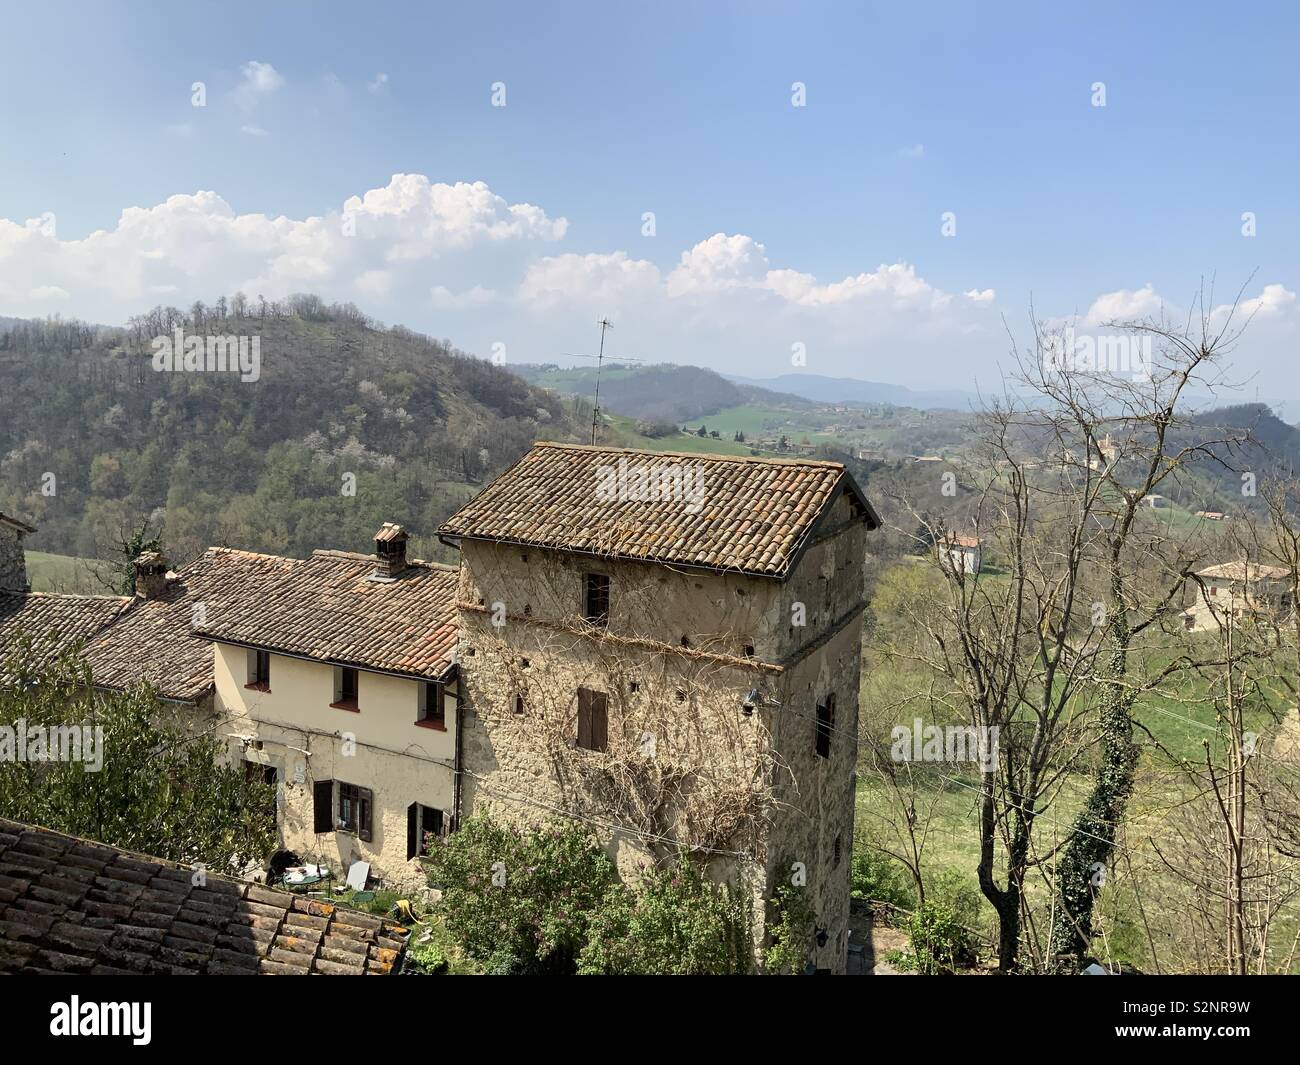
[
  {"x": 584, "y": 718},
  {"x": 323, "y": 806},
  {"x": 412, "y": 830},
  {"x": 365, "y": 799}
]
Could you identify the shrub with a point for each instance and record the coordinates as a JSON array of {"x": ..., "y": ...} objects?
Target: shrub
[
  {"x": 876, "y": 876},
  {"x": 675, "y": 922},
  {"x": 520, "y": 901},
  {"x": 791, "y": 926},
  {"x": 939, "y": 941}
]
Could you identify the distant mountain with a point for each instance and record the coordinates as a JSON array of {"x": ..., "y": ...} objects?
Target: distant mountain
[
  {"x": 850, "y": 390},
  {"x": 664, "y": 392}
]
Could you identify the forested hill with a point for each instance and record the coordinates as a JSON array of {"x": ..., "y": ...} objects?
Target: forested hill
[{"x": 93, "y": 438}]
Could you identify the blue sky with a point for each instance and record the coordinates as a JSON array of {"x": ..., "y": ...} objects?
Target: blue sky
[{"x": 683, "y": 110}]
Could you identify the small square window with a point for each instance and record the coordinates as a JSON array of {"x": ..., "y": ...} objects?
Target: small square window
[
  {"x": 259, "y": 670},
  {"x": 433, "y": 713},
  {"x": 346, "y": 686}
]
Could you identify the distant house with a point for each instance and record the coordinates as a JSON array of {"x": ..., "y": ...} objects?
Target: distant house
[
  {"x": 1233, "y": 591},
  {"x": 1211, "y": 515},
  {"x": 963, "y": 553},
  {"x": 1154, "y": 501}
]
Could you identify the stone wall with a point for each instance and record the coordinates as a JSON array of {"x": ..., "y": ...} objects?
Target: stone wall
[
  {"x": 752, "y": 761},
  {"x": 13, "y": 562}
]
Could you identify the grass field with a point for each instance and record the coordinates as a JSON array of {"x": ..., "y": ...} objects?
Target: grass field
[{"x": 63, "y": 573}]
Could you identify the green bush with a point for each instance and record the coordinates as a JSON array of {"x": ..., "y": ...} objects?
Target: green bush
[
  {"x": 791, "y": 926},
  {"x": 939, "y": 941},
  {"x": 876, "y": 876},
  {"x": 675, "y": 922},
  {"x": 520, "y": 900}
]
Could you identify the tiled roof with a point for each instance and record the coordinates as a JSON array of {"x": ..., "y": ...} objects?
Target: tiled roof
[
  {"x": 54, "y": 622},
  {"x": 1236, "y": 571},
  {"x": 68, "y": 905},
  {"x": 330, "y": 609},
  {"x": 155, "y": 641},
  {"x": 753, "y": 515}
]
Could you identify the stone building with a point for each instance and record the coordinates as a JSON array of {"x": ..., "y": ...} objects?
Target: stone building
[
  {"x": 668, "y": 645},
  {"x": 1234, "y": 591}
]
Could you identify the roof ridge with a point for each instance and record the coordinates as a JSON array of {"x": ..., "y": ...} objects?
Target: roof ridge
[
  {"x": 243, "y": 553},
  {"x": 72, "y": 595},
  {"x": 709, "y": 455}
]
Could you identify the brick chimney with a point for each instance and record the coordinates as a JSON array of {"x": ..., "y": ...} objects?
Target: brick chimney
[
  {"x": 390, "y": 550},
  {"x": 13, "y": 559},
  {"x": 150, "y": 575}
]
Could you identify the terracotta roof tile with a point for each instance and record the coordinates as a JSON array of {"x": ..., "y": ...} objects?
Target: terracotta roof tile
[
  {"x": 134, "y": 914},
  {"x": 715, "y": 511},
  {"x": 331, "y": 608},
  {"x": 155, "y": 641},
  {"x": 54, "y": 622}
]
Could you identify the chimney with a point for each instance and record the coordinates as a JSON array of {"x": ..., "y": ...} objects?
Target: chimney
[
  {"x": 150, "y": 575},
  {"x": 390, "y": 550},
  {"x": 13, "y": 559}
]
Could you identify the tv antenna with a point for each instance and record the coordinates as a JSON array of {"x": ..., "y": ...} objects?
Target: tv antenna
[{"x": 600, "y": 358}]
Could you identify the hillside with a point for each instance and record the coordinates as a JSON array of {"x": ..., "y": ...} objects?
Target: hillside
[
  {"x": 348, "y": 424},
  {"x": 665, "y": 393},
  {"x": 820, "y": 389}
]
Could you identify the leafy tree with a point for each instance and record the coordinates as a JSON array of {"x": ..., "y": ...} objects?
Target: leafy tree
[{"x": 149, "y": 785}]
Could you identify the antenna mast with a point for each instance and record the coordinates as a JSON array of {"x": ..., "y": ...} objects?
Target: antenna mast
[{"x": 600, "y": 358}]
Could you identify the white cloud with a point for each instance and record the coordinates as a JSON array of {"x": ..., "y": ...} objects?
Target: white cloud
[
  {"x": 1124, "y": 305},
  {"x": 379, "y": 83},
  {"x": 462, "y": 261},
  {"x": 914, "y": 151},
  {"x": 254, "y": 131},
  {"x": 257, "y": 80}
]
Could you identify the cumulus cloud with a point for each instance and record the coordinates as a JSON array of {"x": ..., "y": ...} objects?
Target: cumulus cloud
[
  {"x": 914, "y": 151},
  {"x": 379, "y": 82},
  {"x": 1124, "y": 305},
  {"x": 462, "y": 261}
]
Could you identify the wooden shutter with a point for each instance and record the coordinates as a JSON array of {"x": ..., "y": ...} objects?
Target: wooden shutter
[
  {"x": 365, "y": 799},
  {"x": 322, "y": 793},
  {"x": 412, "y": 830},
  {"x": 584, "y": 718}
]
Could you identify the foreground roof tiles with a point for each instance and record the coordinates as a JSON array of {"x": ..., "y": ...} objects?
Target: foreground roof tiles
[
  {"x": 69, "y": 905},
  {"x": 752, "y": 515},
  {"x": 155, "y": 641},
  {"x": 53, "y": 622},
  {"x": 331, "y": 608}
]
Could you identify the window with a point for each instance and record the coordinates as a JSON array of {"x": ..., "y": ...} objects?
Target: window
[
  {"x": 596, "y": 599},
  {"x": 519, "y": 702},
  {"x": 259, "y": 670},
  {"x": 322, "y": 794},
  {"x": 433, "y": 713},
  {"x": 345, "y": 688},
  {"x": 839, "y": 846},
  {"x": 825, "y": 725},
  {"x": 354, "y": 810},
  {"x": 1214, "y": 589},
  {"x": 593, "y": 720},
  {"x": 422, "y": 823}
]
